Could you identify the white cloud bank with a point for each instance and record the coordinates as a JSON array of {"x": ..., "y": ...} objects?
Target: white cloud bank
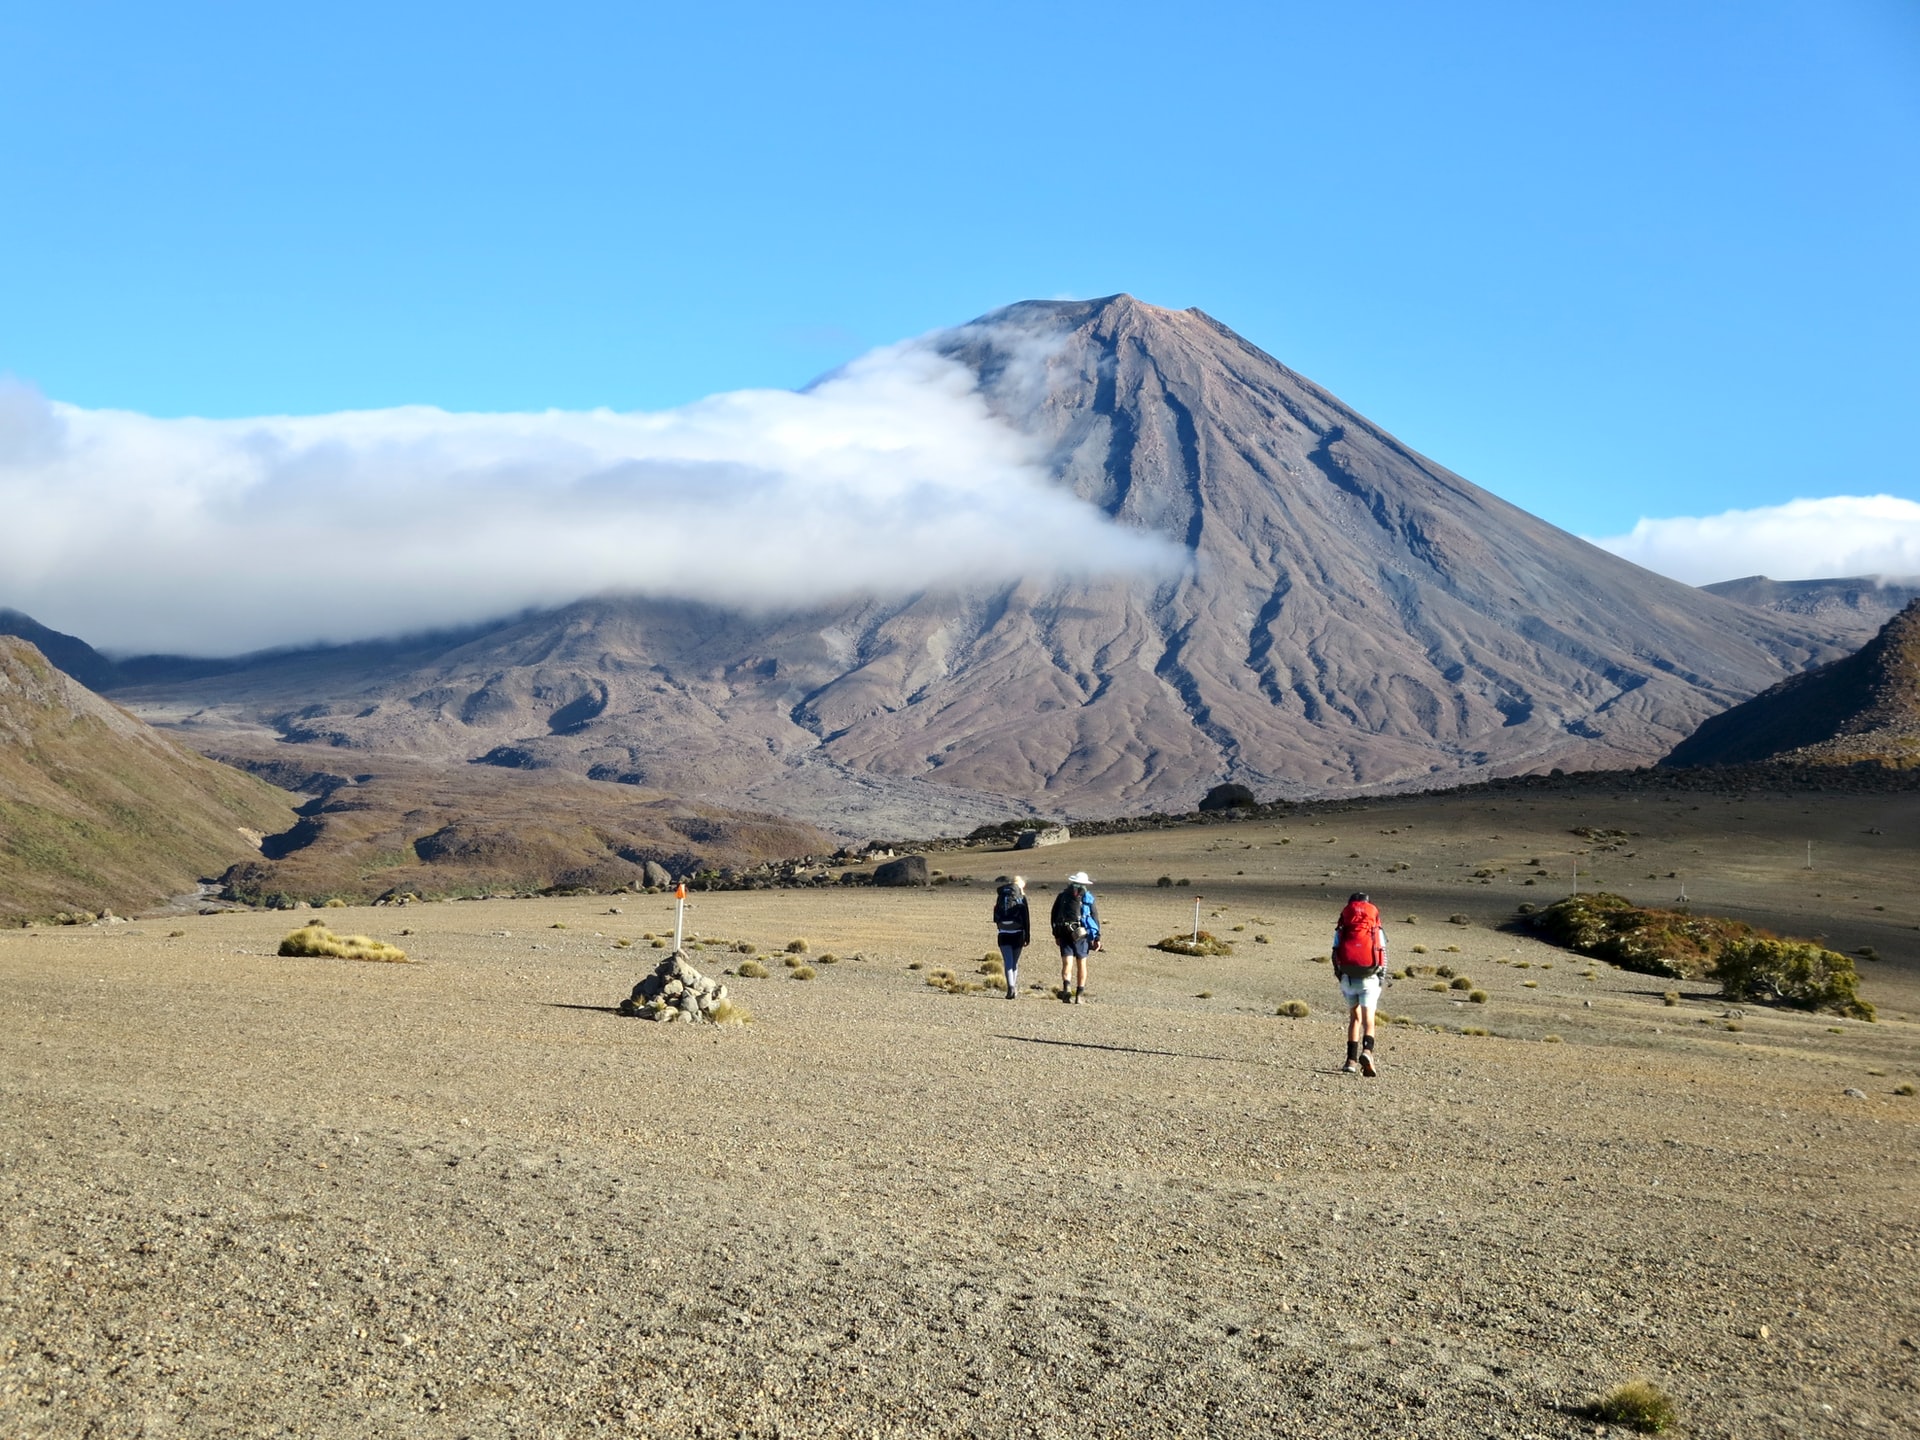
[
  {"x": 220, "y": 536},
  {"x": 1841, "y": 535}
]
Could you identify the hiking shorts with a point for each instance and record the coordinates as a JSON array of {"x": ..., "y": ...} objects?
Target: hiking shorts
[
  {"x": 1077, "y": 948},
  {"x": 1361, "y": 990}
]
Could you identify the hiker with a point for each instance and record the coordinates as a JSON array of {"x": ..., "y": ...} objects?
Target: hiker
[
  {"x": 1360, "y": 960},
  {"x": 1014, "y": 928},
  {"x": 1076, "y": 930}
]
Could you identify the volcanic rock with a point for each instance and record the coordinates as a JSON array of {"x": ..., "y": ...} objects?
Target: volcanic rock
[
  {"x": 907, "y": 870},
  {"x": 1045, "y": 835}
]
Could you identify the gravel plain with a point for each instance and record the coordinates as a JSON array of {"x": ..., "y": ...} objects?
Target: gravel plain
[{"x": 247, "y": 1195}]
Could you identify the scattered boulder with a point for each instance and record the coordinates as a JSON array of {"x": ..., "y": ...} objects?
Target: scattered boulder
[
  {"x": 677, "y": 991},
  {"x": 655, "y": 874},
  {"x": 907, "y": 870},
  {"x": 1228, "y": 797},
  {"x": 1049, "y": 835}
]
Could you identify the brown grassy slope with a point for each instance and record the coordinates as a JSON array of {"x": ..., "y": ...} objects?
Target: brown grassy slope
[
  {"x": 460, "y": 829},
  {"x": 99, "y": 811},
  {"x": 1865, "y": 707}
]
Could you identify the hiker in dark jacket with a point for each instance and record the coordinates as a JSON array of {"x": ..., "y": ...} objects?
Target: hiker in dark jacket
[
  {"x": 1076, "y": 930},
  {"x": 1013, "y": 927}
]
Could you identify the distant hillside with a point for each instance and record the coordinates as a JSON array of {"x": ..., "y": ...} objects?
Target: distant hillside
[
  {"x": 1852, "y": 608},
  {"x": 1863, "y": 708},
  {"x": 391, "y": 823},
  {"x": 99, "y": 811},
  {"x": 68, "y": 653}
]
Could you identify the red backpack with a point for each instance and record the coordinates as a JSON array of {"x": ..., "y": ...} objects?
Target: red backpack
[{"x": 1358, "y": 946}]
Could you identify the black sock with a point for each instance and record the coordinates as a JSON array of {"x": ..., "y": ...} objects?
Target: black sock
[
  {"x": 1353, "y": 1050},
  {"x": 1367, "y": 1044}
]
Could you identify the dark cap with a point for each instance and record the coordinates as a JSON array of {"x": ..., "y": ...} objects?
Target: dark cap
[{"x": 1357, "y": 895}]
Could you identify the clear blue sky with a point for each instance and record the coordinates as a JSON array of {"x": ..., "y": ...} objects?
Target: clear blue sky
[{"x": 1605, "y": 259}]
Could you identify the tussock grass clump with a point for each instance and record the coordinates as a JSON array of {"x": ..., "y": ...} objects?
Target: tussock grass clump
[
  {"x": 730, "y": 1012},
  {"x": 1551, "y": 1040},
  {"x": 657, "y": 944},
  {"x": 792, "y": 962},
  {"x": 744, "y": 947},
  {"x": 1460, "y": 982},
  {"x": 1905, "y": 1087},
  {"x": 1639, "y": 1405},
  {"x": 336, "y": 903},
  {"x": 1165, "y": 882},
  {"x": 175, "y": 934},
  {"x": 1671, "y": 998},
  {"x": 1439, "y": 987},
  {"x": 802, "y": 972},
  {"x": 1478, "y": 997},
  {"x": 751, "y": 969},
  {"x": 988, "y": 967},
  {"x": 1204, "y": 995},
  {"x": 558, "y": 925},
  {"x": 915, "y": 965},
  {"x": 1445, "y": 972},
  {"x": 1451, "y": 949},
  {"x": 1530, "y": 984},
  {"x": 1207, "y": 944},
  {"x": 798, "y": 947},
  {"x": 315, "y": 939},
  {"x": 827, "y": 959},
  {"x": 1293, "y": 1010},
  {"x": 1261, "y": 940},
  {"x": 1419, "y": 949}
]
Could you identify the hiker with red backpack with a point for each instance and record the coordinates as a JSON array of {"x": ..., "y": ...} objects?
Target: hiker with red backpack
[{"x": 1360, "y": 961}]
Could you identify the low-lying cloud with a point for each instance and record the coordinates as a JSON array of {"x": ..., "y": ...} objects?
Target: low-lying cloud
[
  {"x": 1840, "y": 535},
  {"x": 221, "y": 536}
]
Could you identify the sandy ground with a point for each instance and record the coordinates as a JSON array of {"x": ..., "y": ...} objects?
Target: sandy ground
[{"x": 247, "y": 1195}]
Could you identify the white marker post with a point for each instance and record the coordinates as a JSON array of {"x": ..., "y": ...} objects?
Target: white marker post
[
  {"x": 1809, "y": 854},
  {"x": 1196, "y": 918},
  {"x": 679, "y": 914}
]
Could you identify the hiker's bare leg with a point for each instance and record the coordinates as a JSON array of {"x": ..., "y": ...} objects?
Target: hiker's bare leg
[{"x": 1359, "y": 1023}]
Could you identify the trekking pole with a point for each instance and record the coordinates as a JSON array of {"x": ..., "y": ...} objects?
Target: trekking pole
[
  {"x": 679, "y": 914},
  {"x": 1196, "y": 918}
]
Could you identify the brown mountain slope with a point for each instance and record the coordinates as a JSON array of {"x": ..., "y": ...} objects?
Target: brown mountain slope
[
  {"x": 98, "y": 811},
  {"x": 1355, "y": 616},
  {"x": 1863, "y": 708},
  {"x": 399, "y": 824}
]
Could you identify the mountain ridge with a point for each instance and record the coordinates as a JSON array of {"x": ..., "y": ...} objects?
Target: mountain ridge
[{"x": 1355, "y": 617}]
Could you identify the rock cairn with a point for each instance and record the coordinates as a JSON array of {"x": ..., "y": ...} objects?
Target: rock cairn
[{"x": 675, "y": 991}]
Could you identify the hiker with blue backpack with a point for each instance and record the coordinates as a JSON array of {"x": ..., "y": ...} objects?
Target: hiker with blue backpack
[
  {"x": 1360, "y": 962},
  {"x": 1076, "y": 930},
  {"x": 1012, "y": 927}
]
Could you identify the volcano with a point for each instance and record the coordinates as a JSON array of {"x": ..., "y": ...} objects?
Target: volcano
[{"x": 1354, "y": 616}]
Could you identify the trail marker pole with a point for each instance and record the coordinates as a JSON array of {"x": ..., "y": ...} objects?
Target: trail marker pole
[
  {"x": 1809, "y": 854},
  {"x": 1196, "y": 918},
  {"x": 679, "y": 914}
]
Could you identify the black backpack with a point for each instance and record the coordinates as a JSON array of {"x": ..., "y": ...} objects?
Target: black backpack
[{"x": 1007, "y": 908}]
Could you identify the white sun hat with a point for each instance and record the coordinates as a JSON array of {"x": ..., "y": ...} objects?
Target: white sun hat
[{"x": 1079, "y": 877}]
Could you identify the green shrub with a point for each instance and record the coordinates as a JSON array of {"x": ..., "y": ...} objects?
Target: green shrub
[
  {"x": 1639, "y": 1405},
  {"x": 1674, "y": 943},
  {"x": 1165, "y": 882},
  {"x": 1796, "y": 973}
]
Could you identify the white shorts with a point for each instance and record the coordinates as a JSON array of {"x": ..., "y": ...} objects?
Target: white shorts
[{"x": 1362, "y": 990}]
